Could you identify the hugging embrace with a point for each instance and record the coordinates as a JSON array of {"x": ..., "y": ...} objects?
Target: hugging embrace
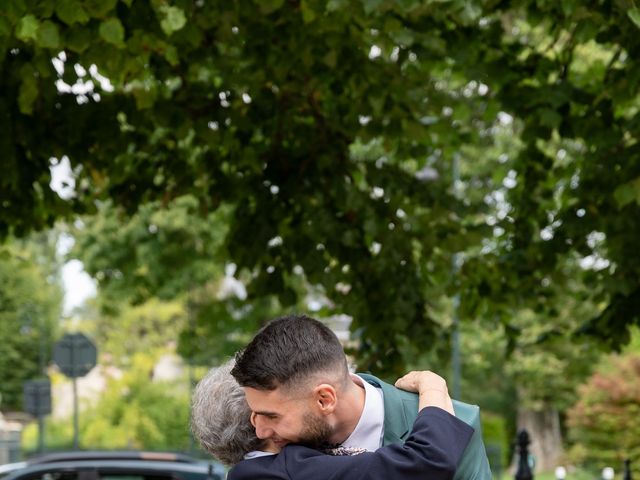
[{"x": 287, "y": 407}]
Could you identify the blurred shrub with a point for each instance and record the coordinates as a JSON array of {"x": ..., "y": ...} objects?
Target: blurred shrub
[
  {"x": 496, "y": 440},
  {"x": 605, "y": 423}
]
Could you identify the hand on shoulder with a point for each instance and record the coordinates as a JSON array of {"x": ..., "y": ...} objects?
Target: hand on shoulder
[{"x": 431, "y": 388}]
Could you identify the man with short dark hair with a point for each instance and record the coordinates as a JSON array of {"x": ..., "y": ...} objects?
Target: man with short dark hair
[
  {"x": 220, "y": 420},
  {"x": 298, "y": 386}
]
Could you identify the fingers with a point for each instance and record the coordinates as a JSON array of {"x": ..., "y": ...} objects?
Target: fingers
[
  {"x": 419, "y": 380},
  {"x": 408, "y": 382}
]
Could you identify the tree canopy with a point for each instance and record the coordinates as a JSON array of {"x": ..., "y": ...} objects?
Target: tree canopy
[{"x": 367, "y": 144}]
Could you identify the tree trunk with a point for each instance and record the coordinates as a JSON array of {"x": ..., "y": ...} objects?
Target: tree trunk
[{"x": 546, "y": 438}]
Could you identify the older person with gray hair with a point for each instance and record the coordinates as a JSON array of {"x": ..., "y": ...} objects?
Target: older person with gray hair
[
  {"x": 221, "y": 421},
  {"x": 221, "y": 417}
]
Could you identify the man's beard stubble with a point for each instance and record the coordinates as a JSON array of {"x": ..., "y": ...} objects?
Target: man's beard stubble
[{"x": 316, "y": 431}]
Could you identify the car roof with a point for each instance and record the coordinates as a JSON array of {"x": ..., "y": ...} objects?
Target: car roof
[
  {"x": 129, "y": 464},
  {"x": 111, "y": 455},
  {"x": 10, "y": 467}
]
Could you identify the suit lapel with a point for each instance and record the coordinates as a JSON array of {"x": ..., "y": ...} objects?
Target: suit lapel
[{"x": 396, "y": 424}]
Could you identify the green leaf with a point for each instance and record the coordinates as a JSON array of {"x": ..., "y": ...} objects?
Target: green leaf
[
  {"x": 13, "y": 9},
  {"x": 27, "y": 28},
  {"x": 372, "y": 5},
  {"x": 112, "y": 32},
  {"x": 627, "y": 193},
  {"x": 331, "y": 58},
  {"x": 470, "y": 13},
  {"x": 174, "y": 19},
  {"x": 403, "y": 37},
  {"x": 5, "y": 27},
  {"x": 634, "y": 15},
  {"x": 171, "y": 54},
  {"x": 407, "y": 5},
  {"x": 287, "y": 297},
  {"x": 99, "y": 8},
  {"x": 308, "y": 14},
  {"x": 333, "y": 5},
  {"x": 377, "y": 103},
  {"x": 78, "y": 39},
  {"x": 568, "y": 6},
  {"x": 145, "y": 96},
  {"x": 28, "y": 93},
  {"x": 42, "y": 8},
  {"x": 71, "y": 11},
  {"x": 42, "y": 65},
  {"x": 48, "y": 35},
  {"x": 270, "y": 6},
  {"x": 549, "y": 118}
]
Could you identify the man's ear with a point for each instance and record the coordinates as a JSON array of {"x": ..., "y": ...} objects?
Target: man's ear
[{"x": 325, "y": 398}]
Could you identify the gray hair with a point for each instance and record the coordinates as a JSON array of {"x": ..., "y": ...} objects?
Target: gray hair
[{"x": 221, "y": 417}]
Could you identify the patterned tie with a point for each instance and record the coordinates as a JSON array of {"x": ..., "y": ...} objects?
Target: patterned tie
[{"x": 338, "y": 451}]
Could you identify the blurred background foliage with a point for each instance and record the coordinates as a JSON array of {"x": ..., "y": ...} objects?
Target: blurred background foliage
[
  {"x": 132, "y": 412},
  {"x": 30, "y": 306},
  {"x": 458, "y": 174}
]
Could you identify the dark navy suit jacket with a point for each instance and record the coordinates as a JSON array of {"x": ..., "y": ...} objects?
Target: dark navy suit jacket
[{"x": 432, "y": 452}]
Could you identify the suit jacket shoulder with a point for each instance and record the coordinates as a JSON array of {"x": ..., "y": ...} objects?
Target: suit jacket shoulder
[{"x": 400, "y": 409}]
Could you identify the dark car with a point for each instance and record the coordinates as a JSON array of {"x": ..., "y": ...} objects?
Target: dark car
[{"x": 116, "y": 466}]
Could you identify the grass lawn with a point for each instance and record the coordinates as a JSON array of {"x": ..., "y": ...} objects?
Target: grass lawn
[{"x": 578, "y": 475}]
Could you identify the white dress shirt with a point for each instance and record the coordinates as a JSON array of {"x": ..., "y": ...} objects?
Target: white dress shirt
[{"x": 369, "y": 431}]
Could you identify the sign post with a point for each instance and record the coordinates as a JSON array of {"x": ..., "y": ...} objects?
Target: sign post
[
  {"x": 75, "y": 355},
  {"x": 37, "y": 402}
]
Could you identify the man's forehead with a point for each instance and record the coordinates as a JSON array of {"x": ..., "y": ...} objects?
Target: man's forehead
[
  {"x": 262, "y": 396},
  {"x": 269, "y": 400}
]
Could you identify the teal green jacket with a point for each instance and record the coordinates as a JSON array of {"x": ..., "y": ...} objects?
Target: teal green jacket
[{"x": 400, "y": 411}]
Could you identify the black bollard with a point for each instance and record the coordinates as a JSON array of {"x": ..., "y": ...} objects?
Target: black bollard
[
  {"x": 524, "y": 471},
  {"x": 627, "y": 470}
]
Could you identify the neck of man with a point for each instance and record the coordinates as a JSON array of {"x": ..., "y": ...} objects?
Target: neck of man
[{"x": 348, "y": 411}]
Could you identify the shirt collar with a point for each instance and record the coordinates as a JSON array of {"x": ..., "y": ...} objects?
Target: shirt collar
[
  {"x": 256, "y": 454},
  {"x": 370, "y": 428}
]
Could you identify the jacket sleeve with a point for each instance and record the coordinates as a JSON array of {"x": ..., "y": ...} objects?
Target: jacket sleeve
[
  {"x": 432, "y": 452},
  {"x": 263, "y": 468}
]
